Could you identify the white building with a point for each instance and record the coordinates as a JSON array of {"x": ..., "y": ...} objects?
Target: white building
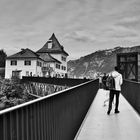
[
  {"x": 50, "y": 60},
  {"x": 24, "y": 63},
  {"x": 57, "y": 52}
]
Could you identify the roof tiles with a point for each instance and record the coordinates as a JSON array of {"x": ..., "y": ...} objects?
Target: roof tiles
[
  {"x": 56, "y": 46},
  {"x": 24, "y": 53}
]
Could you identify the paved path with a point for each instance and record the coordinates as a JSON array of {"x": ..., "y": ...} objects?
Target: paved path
[{"x": 99, "y": 126}]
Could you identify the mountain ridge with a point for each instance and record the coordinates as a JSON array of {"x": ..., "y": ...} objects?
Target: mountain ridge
[{"x": 101, "y": 61}]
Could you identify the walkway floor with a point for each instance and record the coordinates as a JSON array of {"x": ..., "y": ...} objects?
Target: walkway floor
[{"x": 100, "y": 126}]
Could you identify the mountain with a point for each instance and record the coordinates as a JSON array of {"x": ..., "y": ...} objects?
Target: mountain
[{"x": 102, "y": 61}]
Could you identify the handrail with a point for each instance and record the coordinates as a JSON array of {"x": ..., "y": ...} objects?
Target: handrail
[
  {"x": 130, "y": 90},
  {"x": 54, "y": 81},
  {"x": 41, "y": 98},
  {"x": 36, "y": 96},
  {"x": 131, "y": 81},
  {"x": 53, "y": 117}
]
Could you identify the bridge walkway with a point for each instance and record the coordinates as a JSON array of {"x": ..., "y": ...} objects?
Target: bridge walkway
[{"x": 100, "y": 126}]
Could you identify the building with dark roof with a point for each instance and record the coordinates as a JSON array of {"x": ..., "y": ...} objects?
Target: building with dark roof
[{"x": 50, "y": 60}]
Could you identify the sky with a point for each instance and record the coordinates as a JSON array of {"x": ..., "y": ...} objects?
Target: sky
[{"x": 81, "y": 26}]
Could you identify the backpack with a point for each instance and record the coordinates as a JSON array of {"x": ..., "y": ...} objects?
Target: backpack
[{"x": 110, "y": 84}]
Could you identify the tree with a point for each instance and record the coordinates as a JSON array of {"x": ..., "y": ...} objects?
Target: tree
[
  {"x": 12, "y": 93},
  {"x": 3, "y": 56}
]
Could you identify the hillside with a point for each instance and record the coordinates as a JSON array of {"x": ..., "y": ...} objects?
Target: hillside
[{"x": 98, "y": 62}]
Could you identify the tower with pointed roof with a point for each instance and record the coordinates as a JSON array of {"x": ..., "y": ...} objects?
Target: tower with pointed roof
[
  {"x": 52, "y": 46},
  {"x": 55, "y": 51}
]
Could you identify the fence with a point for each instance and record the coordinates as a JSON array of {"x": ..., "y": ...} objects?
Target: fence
[
  {"x": 56, "y": 117},
  {"x": 55, "y": 81},
  {"x": 131, "y": 91},
  {"x": 42, "y": 89}
]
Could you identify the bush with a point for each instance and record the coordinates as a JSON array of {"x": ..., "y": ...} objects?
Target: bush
[{"x": 12, "y": 93}]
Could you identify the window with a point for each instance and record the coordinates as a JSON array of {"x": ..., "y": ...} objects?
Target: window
[
  {"x": 27, "y": 62},
  {"x": 16, "y": 73},
  {"x": 49, "y": 44},
  {"x": 13, "y": 62},
  {"x": 27, "y": 73},
  {"x": 57, "y": 66},
  {"x": 39, "y": 64},
  {"x": 63, "y": 58},
  {"x": 63, "y": 67}
]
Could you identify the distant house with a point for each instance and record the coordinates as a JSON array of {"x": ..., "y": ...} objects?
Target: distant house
[
  {"x": 24, "y": 63},
  {"x": 50, "y": 60}
]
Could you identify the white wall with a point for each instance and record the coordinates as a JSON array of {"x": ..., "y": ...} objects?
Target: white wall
[
  {"x": 36, "y": 70},
  {"x": 24, "y": 68},
  {"x": 49, "y": 64},
  {"x": 64, "y": 63},
  {"x": 39, "y": 69}
]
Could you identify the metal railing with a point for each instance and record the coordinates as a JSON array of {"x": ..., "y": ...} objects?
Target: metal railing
[
  {"x": 55, "y": 117},
  {"x": 55, "y": 81},
  {"x": 131, "y": 91}
]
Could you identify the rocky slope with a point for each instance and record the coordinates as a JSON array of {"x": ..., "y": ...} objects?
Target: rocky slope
[{"x": 98, "y": 62}]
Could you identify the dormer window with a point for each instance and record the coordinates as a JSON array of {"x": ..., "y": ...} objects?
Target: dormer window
[{"x": 49, "y": 44}]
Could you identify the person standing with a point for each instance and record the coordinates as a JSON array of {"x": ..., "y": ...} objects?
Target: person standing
[
  {"x": 116, "y": 91},
  {"x": 100, "y": 82},
  {"x": 104, "y": 81}
]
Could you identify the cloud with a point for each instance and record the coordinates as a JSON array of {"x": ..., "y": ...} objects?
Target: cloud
[
  {"x": 125, "y": 35},
  {"x": 76, "y": 23},
  {"x": 130, "y": 19},
  {"x": 81, "y": 36},
  {"x": 130, "y": 22},
  {"x": 125, "y": 28},
  {"x": 119, "y": 32}
]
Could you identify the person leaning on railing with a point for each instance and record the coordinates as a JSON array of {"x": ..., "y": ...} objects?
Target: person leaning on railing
[
  {"x": 100, "y": 82},
  {"x": 104, "y": 80}
]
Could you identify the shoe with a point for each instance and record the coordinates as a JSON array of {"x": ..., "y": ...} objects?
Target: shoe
[
  {"x": 108, "y": 112},
  {"x": 117, "y": 111}
]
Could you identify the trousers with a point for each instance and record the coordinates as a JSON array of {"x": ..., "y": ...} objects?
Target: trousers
[{"x": 111, "y": 97}]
